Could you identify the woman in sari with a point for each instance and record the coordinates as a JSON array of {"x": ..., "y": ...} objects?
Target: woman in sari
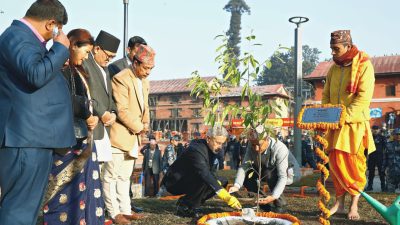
[{"x": 74, "y": 190}]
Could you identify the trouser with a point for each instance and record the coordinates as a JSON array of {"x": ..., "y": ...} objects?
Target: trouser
[
  {"x": 311, "y": 161},
  {"x": 24, "y": 174},
  {"x": 393, "y": 180},
  {"x": 348, "y": 171},
  {"x": 116, "y": 181},
  {"x": 372, "y": 163},
  {"x": 148, "y": 175},
  {"x": 195, "y": 190},
  {"x": 271, "y": 177}
]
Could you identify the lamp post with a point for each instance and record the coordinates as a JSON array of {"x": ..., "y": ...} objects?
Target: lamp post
[
  {"x": 298, "y": 20},
  {"x": 126, "y": 3}
]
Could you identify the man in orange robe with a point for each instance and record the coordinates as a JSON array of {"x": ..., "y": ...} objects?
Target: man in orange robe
[{"x": 350, "y": 81}]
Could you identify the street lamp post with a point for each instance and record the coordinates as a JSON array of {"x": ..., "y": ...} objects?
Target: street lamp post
[
  {"x": 298, "y": 83},
  {"x": 126, "y": 3}
]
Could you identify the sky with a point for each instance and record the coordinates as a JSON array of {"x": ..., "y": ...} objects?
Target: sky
[{"x": 182, "y": 32}]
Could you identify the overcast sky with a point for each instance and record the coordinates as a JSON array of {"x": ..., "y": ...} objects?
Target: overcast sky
[{"x": 182, "y": 31}]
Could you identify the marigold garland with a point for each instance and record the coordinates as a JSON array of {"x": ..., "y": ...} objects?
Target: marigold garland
[
  {"x": 324, "y": 127},
  {"x": 323, "y": 192},
  {"x": 322, "y": 155},
  {"x": 322, "y": 140},
  {"x": 203, "y": 220},
  {"x": 323, "y": 170}
]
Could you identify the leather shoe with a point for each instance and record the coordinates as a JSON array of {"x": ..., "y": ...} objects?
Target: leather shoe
[
  {"x": 136, "y": 209},
  {"x": 120, "y": 219},
  {"x": 134, "y": 216},
  {"x": 185, "y": 211}
]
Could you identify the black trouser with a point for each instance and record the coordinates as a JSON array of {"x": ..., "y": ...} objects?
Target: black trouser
[
  {"x": 375, "y": 161},
  {"x": 148, "y": 174},
  {"x": 195, "y": 189},
  {"x": 271, "y": 177}
]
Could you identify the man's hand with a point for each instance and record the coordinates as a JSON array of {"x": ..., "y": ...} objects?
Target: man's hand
[
  {"x": 229, "y": 199},
  {"x": 92, "y": 122},
  {"x": 234, "y": 188},
  {"x": 61, "y": 38},
  {"x": 145, "y": 128},
  {"x": 108, "y": 118},
  {"x": 268, "y": 199}
]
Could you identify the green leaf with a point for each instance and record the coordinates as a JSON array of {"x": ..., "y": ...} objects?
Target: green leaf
[{"x": 268, "y": 64}]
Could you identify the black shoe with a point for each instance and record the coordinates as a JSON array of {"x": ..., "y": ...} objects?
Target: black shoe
[
  {"x": 266, "y": 208},
  {"x": 197, "y": 212},
  {"x": 136, "y": 209},
  {"x": 184, "y": 211}
]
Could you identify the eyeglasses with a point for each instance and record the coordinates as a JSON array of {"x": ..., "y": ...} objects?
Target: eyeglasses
[{"x": 109, "y": 57}]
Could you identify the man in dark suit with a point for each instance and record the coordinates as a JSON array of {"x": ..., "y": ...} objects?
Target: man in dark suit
[
  {"x": 35, "y": 108},
  {"x": 152, "y": 165},
  {"x": 100, "y": 89},
  {"x": 191, "y": 175},
  {"x": 125, "y": 62}
]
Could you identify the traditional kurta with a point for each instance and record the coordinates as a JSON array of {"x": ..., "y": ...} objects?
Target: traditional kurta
[{"x": 355, "y": 135}]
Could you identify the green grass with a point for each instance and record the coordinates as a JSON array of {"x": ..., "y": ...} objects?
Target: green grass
[{"x": 309, "y": 180}]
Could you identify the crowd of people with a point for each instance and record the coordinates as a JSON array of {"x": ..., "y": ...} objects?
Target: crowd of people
[{"x": 72, "y": 126}]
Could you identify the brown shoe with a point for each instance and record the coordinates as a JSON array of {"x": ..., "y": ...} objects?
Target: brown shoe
[
  {"x": 120, "y": 219},
  {"x": 134, "y": 216}
]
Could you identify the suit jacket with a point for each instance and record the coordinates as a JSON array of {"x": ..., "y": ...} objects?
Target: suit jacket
[
  {"x": 117, "y": 66},
  {"x": 131, "y": 114},
  {"x": 193, "y": 162},
  {"x": 35, "y": 104},
  {"x": 103, "y": 99},
  {"x": 157, "y": 161}
]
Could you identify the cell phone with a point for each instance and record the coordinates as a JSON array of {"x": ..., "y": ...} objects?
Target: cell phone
[{"x": 55, "y": 31}]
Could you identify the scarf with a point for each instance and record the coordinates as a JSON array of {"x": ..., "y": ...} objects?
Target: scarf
[{"x": 357, "y": 60}]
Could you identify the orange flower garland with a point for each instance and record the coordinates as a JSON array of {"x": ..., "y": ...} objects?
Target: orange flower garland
[
  {"x": 203, "y": 220},
  {"x": 323, "y": 170},
  {"x": 324, "y": 194},
  {"x": 322, "y": 140},
  {"x": 321, "y": 189},
  {"x": 322, "y": 155}
]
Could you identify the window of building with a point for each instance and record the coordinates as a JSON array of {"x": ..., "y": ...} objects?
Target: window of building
[
  {"x": 153, "y": 114},
  {"x": 175, "y": 113},
  {"x": 391, "y": 90},
  {"x": 194, "y": 98},
  {"x": 196, "y": 112},
  {"x": 152, "y": 100},
  {"x": 196, "y": 126},
  {"x": 175, "y": 99}
]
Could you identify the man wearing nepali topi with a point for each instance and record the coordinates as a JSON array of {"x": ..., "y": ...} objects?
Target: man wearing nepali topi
[{"x": 350, "y": 81}]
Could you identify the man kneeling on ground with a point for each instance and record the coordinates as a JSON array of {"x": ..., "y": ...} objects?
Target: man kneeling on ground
[
  {"x": 274, "y": 165},
  {"x": 191, "y": 175}
]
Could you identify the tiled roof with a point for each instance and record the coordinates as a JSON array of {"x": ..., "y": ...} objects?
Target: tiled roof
[
  {"x": 276, "y": 89},
  {"x": 180, "y": 86},
  {"x": 172, "y": 86},
  {"x": 382, "y": 65}
]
